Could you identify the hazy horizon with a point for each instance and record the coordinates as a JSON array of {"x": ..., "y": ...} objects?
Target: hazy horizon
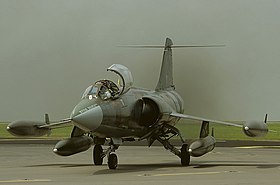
[{"x": 50, "y": 51}]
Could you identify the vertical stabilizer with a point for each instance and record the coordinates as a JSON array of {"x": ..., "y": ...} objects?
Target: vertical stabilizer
[{"x": 165, "y": 81}]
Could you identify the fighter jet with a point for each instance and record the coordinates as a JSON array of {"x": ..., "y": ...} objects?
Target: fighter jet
[{"x": 118, "y": 112}]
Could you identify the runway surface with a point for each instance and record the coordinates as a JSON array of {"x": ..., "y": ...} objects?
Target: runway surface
[{"x": 36, "y": 164}]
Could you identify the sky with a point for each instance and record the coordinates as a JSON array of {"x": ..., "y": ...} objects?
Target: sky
[{"x": 51, "y": 51}]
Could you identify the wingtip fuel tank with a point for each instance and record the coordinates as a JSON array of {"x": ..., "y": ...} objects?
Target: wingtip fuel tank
[
  {"x": 255, "y": 128},
  {"x": 202, "y": 146},
  {"x": 27, "y": 128}
]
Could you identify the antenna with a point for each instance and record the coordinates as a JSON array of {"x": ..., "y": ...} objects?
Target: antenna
[
  {"x": 212, "y": 134},
  {"x": 47, "y": 119},
  {"x": 265, "y": 118}
]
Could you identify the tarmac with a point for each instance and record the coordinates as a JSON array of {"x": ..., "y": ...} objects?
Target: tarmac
[
  {"x": 220, "y": 143},
  {"x": 36, "y": 164}
]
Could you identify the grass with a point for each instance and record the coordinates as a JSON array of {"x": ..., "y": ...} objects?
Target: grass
[{"x": 189, "y": 129}]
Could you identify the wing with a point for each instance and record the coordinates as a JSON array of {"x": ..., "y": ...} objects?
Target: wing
[
  {"x": 185, "y": 116},
  {"x": 59, "y": 124},
  {"x": 250, "y": 128}
]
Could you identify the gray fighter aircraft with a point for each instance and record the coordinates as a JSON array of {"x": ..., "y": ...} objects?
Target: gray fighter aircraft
[{"x": 114, "y": 112}]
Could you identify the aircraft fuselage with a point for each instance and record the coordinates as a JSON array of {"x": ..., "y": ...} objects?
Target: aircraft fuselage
[{"x": 120, "y": 117}]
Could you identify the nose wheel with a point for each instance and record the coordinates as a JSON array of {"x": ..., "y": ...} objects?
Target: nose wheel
[
  {"x": 112, "y": 161},
  {"x": 98, "y": 155}
]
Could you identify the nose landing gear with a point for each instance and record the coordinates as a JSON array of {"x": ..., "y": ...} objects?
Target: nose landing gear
[
  {"x": 112, "y": 161},
  {"x": 99, "y": 154}
]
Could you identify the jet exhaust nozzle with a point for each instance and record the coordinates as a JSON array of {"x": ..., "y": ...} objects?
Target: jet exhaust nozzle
[
  {"x": 73, "y": 145},
  {"x": 202, "y": 146},
  {"x": 27, "y": 129},
  {"x": 255, "y": 128}
]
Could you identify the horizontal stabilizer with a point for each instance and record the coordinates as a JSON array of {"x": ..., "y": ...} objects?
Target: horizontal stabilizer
[{"x": 172, "y": 46}]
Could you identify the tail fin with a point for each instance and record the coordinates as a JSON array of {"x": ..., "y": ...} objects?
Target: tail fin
[{"x": 165, "y": 81}]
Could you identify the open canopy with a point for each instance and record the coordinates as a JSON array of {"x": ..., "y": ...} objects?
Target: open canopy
[
  {"x": 125, "y": 74},
  {"x": 107, "y": 89}
]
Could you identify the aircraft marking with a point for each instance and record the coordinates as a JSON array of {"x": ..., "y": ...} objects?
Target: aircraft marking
[{"x": 25, "y": 180}]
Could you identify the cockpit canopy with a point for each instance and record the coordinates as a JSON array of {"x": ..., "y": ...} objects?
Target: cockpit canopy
[
  {"x": 103, "y": 89},
  {"x": 125, "y": 74},
  {"x": 106, "y": 89}
]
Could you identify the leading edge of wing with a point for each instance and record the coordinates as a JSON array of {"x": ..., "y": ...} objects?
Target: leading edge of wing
[
  {"x": 185, "y": 116},
  {"x": 60, "y": 124}
]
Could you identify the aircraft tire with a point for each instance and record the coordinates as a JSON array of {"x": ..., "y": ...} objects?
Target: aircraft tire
[
  {"x": 97, "y": 153},
  {"x": 112, "y": 161},
  {"x": 185, "y": 156}
]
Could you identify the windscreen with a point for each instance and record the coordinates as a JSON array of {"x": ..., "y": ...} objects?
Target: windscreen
[{"x": 90, "y": 92}]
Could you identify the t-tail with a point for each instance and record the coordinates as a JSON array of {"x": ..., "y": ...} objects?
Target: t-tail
[{"x": 165, "y": 81}]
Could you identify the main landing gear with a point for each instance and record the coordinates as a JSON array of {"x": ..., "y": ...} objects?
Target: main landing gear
[
  {"x": 185, "y": 155},
  {"x": 164, "y": 138},
  {"x": 99, "y": 154}
]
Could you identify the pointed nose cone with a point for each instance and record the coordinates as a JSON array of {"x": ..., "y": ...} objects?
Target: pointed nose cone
[{"x": 89, "y": 120}]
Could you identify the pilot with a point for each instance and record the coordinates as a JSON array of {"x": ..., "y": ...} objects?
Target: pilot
[
  {"x": 108, "y": 89},
  {"x": 108, "y": 94},
  {"x": 113, "y": 88},
  {"x": 104, "y": 92}
]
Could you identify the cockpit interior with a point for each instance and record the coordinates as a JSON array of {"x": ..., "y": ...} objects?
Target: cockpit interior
[
  {"x": 107, "y": 89},
  {"x": 103, "y": 89}
]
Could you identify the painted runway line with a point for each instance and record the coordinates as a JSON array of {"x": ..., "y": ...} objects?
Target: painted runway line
[
  {"x": 179, "y": 174},
  {"x": 25, "y": 180},
  {"x": 258, "y": 147}
]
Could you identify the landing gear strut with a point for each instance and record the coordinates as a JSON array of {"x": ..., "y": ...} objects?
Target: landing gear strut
[
  {"x": 183, "y": 153},
  {"x": 112, "y": 157},
  {"x": 164, "y": 140}
]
